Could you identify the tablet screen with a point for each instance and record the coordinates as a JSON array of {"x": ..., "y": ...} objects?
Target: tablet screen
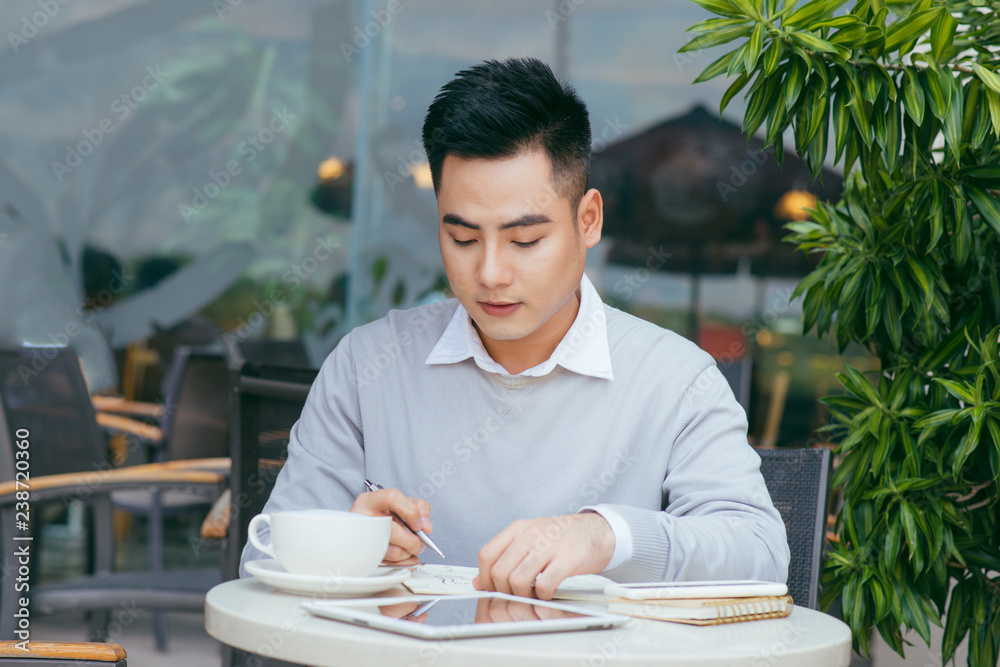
[
  {"x": 465, "y": 611},
  {"x": 453, "y": 616}
]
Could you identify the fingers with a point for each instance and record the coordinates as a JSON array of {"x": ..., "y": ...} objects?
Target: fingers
[
  {"x": 489, "y": 554},
  {"x": 509, "y": 563},
  {"x": 414, "y": 511},
  {"x": 404, "y": 546},
  {"x": 531, "y": 558}
]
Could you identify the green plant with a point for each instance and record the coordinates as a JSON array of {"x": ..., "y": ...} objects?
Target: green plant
[{"x": 911, "y": 257}]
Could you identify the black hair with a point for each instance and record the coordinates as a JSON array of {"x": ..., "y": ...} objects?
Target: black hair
[{"x": 498, "y": 109}]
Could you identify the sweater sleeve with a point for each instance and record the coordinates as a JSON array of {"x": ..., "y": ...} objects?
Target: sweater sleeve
[
  {"x": 326, "y": 463},
  {"x": 718, "y": 521}
]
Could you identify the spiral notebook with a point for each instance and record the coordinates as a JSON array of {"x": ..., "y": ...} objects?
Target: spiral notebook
[{"x": 707, "y": 611}]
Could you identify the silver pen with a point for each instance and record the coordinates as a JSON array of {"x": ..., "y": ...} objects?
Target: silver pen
[{"x": 372, "y": 486}]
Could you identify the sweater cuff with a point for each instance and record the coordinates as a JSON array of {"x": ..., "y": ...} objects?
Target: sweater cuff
[
  {"x": 650, "y": 545},
  {"x": 623, "y": 536}
]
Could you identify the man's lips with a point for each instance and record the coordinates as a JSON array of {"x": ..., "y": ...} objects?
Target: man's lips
[{"x": 498, "y": 308}]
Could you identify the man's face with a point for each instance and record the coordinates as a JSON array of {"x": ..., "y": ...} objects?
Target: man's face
[{"x": 514, "y": 249}]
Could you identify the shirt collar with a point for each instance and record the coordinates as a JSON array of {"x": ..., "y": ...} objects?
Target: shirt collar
[{"x": 583, "y": 350}]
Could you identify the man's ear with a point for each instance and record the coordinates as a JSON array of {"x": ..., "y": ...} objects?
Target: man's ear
[{"x": 590, "y": 213}]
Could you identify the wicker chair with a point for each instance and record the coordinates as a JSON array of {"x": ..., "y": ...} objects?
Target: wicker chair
[{"x": 798, "y": 481}]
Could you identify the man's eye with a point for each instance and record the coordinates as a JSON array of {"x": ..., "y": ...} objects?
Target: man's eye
[
  {"x": 463, "y": 243},
  {"x": 526, "y": 244}
]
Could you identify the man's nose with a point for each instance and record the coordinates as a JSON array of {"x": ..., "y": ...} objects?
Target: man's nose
[{"x": 494, "y": 269}]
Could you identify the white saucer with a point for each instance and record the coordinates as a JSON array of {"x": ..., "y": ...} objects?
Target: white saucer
[{"x": 271, "y": 573}]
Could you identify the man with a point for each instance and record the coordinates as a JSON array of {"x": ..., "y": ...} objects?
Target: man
[{"x": 552, "y": 435}]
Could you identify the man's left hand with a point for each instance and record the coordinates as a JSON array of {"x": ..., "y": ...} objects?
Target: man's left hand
[{"x": 544, "y": 552}]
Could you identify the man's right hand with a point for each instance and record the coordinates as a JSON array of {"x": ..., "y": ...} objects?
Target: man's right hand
[{"x": 404, "y": 546}]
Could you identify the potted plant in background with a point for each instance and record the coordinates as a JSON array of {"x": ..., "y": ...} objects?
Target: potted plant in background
[{"x": 906, "y": 96}]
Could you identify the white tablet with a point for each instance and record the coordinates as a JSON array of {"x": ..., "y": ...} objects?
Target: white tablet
[
  {"x": 679, "y": 590},
  {"x": 455, "y": 616}
]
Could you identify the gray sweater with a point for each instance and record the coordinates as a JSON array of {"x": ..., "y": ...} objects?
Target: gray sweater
[{"x": 663, "y": 444}]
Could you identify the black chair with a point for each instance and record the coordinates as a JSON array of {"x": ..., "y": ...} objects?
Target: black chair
[
  {"x": 265, "y": 402},
  {"x": 44, "y": 402},
  {"x": 798, "y": 481},
  {"x": 283, "y": 353},
  {"x": 62, "y": 654}
]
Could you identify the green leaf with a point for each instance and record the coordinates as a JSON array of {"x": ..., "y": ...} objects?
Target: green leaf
[
  {"x": 738, "y": 85},
  {"x": 936, "y": 215},
  {"x": 797, "y": 70},
  {"x": 890, "y": 318},
  {"x": 759, "y": 106},
  {"x": 957, "y": 389},
  {"x": 718, "y": 67},
  {"x": 967, "y": 446},
  {"x": 920, "y": 275},
  {"x": 816, "y": 110},
  {"x": 993, "y": 100},
  {"x": 872, "y": 83},
  {"x": 956, "y": 623},
  {"x": 715, "y": 24},
  {"x": 893, "y": 541},
  {"x": 911, "y": 27},
  {"x": 716, "y": 38},
  {"x": 989, "y": 77},
  {"x": 938, "y": 418},
  {"x": 938, "y": 87},
  {"x": 942, "y": 35},
  {"x": 810, "y": 41},
  {"x": 859, "y": 385},
  {"x": 988, "y": 207},
  {"x": 773, "y": 56},
  {"x": 809, "y": 12},
  {"x": 721, "y": 7},
  {"x": 754, "y": 48},
  {"x": 907, "y": 513},
  {"x": 953, "y": 122},
  {"x": 849, "y": 36},
  {"x": 913, "y": 97},
  {"x": 994, "y": 428}
]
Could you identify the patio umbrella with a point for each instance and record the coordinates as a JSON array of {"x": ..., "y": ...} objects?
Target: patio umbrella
[
  {"x": 696, "y": 185},
  {"x": 697, "y": 190}
]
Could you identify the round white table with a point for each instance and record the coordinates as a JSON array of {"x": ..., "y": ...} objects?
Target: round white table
[{"x": 252, "y": 616}]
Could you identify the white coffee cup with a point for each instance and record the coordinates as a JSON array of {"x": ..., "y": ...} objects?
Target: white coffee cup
[{"x": 324, "y": 542}]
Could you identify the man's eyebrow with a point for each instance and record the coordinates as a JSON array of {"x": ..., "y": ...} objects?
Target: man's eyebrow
[{"x": 524, "y": 221}]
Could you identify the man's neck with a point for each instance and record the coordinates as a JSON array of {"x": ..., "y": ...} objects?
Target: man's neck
[{"x": 519, "y": 355}]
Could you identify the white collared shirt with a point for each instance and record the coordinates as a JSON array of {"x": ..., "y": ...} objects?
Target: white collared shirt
[{"x": 583, "y": 350}]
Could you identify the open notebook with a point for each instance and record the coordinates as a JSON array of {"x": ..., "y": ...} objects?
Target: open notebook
[{"x": 430, "y": 579}]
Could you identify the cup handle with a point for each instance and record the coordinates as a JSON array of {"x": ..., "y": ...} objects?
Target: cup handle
[{"x": 252, "y": 534}]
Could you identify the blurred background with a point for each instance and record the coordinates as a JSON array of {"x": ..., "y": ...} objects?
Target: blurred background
[
  {"x": 192, "y": 172},
  {"x": 175, "y": 171}
]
